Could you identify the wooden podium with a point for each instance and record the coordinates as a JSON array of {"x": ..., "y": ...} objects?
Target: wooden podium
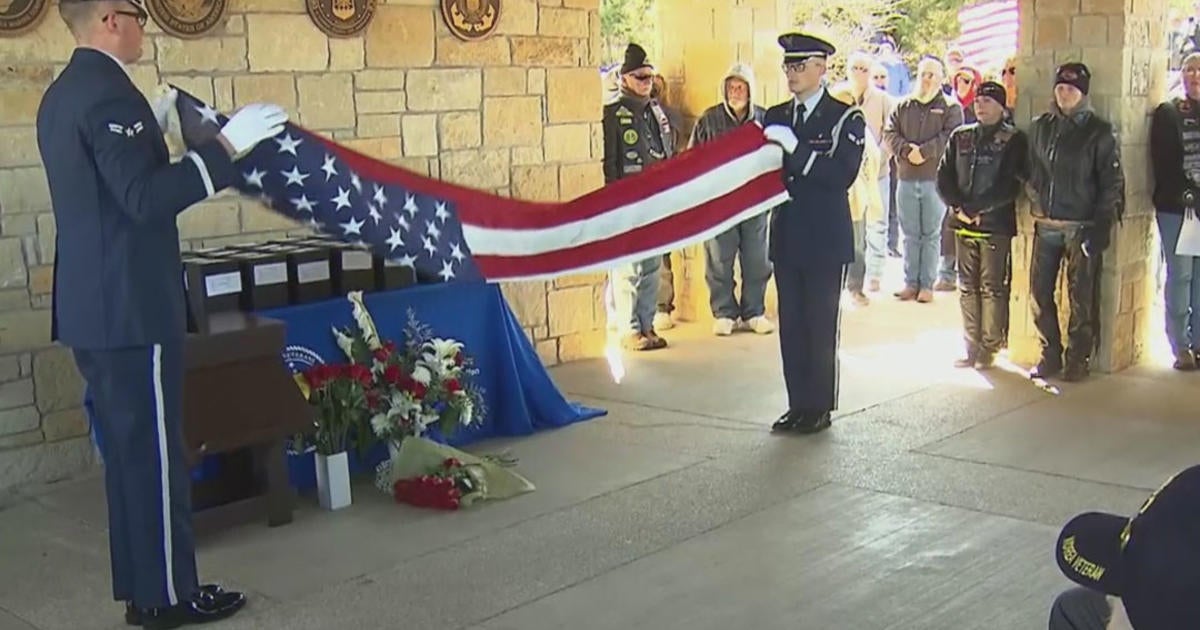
[{"x": 241, "y": 403}]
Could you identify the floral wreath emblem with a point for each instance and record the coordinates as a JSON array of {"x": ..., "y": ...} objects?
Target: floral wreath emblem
[{"x": 298, "y": 359}]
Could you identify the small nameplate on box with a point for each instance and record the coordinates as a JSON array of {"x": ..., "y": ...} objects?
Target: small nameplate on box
[
  {"x": 356, "y": 260},
  {"x": 273, "y": 273},
  {"x": 223, "y": 284},
  {"x": 315, "y": 271}
]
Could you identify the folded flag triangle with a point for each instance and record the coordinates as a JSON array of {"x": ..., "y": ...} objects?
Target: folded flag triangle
[{"x": 452, "y": 233}]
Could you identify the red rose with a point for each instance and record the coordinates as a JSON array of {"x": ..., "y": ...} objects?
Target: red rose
[
  {"x": 451, "y": 463},
  {"x": 381, "y": 355},
  {"x": 418, "y": 389},
  {"x": 453, "y": 386},
  {"x": 390, "y": 346},
  {"x": 361, "y": 374},
  {"x": 392, "y": 374}
]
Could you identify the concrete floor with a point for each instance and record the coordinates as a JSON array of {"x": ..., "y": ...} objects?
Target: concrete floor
[{"x": 933, "y": 503}]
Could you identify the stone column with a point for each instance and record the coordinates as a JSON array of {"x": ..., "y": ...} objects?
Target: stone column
[
  {"x": 1122, "y": 41},
  {"x": 700, "y": 40}
]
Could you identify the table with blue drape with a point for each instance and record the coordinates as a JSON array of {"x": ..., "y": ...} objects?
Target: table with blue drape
[{"x": 519, "y": 395}]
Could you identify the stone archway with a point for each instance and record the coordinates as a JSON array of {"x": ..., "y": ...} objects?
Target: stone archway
[{"x": 1121, "y": 40}]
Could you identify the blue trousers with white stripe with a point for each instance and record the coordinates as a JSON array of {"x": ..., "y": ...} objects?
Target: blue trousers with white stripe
[{"x": 137, "y": 397}]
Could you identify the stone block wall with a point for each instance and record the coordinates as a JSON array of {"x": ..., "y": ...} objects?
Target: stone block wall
[
  {"x": 1121, "y": 41},
  {"x": 695, "y": 60},
  {"x": 517, "y": 114}
]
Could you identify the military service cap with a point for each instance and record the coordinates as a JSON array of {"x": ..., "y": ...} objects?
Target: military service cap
[{"x": 801, "y": 46}]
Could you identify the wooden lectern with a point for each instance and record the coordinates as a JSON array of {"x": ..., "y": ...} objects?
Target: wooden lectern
[{"x": 240, "y": 402}]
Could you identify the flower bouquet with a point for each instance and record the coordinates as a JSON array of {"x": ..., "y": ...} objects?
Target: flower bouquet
[
  {"x": 424, "y": 473},
  {"x": 339, "y": 393},
  {"x": 421, "y": 384}
]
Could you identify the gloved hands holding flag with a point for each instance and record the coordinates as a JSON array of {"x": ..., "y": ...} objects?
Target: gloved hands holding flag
[
  {"x": 781, "y": 135},
  {"x": 253, "y": 124}
]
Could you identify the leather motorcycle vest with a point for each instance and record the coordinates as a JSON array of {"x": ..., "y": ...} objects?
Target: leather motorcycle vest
[
  {"x": 1189, "y": 128},
  {"x": 642, "y": 131}
]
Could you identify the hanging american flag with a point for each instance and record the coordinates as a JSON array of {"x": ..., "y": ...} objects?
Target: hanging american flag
[
  {"x": 988, "y": 33},
  {"x": 454, "y": 233}
]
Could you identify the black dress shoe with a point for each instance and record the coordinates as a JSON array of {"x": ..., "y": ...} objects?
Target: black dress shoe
[
  {"x": 133, "y": 616},
  {"x": 814, "y": 423},
  {"x": 788, "y": 421},
  {"x": 204, "y": 607},
  {"x": 1075, "y": 372}
]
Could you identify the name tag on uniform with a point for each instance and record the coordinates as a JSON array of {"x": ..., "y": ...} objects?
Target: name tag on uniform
[{"x": 820, "y": 144}]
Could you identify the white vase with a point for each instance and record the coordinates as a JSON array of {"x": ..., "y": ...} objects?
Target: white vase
[{"x": 333, "y": 480}]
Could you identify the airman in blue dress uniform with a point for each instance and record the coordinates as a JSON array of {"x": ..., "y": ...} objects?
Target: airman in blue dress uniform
[
  {"x": 118, "y": 295},
  {"x": 812, "y": 235}
]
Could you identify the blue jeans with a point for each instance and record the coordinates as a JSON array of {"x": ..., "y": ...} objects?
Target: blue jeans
[
  {"x": 749, "y": 239},
  {"x": 635, "y": 294},
  {"x": 921, "y": 211},
  {"x": 877, "y": 234},
  {"x": 1182, "y": 289}
]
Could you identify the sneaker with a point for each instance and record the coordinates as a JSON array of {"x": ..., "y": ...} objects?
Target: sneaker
[
  {"x": 662, "y": 321},
  {"x": 761, "y": 325},
  {"x": 945, "y": 285},
  {"x": 907, "y": 294},
  {"x": 1076, "y": 371},
  {"x": 860, "y": 298},
  {"x": 1185, "y": 361},
  {"x": 925, "y": 296},
  {"x": 723, "y": 327}
]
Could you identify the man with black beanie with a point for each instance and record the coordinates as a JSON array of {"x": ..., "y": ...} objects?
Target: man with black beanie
[
  {"x": 979, "y": 180},
  {"x": 636, "y": 135},
  {"x": 1078, "y": 191}
]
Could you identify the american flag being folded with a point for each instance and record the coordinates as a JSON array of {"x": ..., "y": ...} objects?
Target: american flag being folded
[{"x": 454, "y": 233}]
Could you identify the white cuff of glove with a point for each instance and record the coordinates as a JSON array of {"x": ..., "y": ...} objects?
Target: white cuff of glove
[{"x": 781, "y": 135}]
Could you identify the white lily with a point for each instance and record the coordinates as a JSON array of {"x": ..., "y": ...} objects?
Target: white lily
[
  {"x": 381, "y": 424},
  {"x": 422, "y": 375},
  {"x": 363, "y": 318},
  {"x": 344, "y": 342}
]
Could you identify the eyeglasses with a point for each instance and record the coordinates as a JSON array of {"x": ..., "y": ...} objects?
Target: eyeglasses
[{"x": 800, "y": 66}]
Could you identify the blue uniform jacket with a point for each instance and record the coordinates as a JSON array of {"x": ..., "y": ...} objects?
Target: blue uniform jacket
[
  {"x": 814, "y": 228},
  {"x": 118, "y": 279}
]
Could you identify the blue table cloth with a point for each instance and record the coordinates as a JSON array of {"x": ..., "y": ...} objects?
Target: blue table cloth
[{"x": 519, "y": 396}]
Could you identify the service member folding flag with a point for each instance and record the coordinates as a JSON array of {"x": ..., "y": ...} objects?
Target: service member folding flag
[{"x": 452, "y": 233}]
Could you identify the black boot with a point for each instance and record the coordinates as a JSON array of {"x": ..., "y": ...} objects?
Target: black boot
[
  {"x": 1076, "y": 371},
  {"x": 1048, "y": 367}
]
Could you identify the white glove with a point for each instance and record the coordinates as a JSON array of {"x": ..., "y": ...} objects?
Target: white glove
[
  {"x": 253, "y": 124},
  {"x": 162, "y": 107},
  {"x": 781, "y": 135}
]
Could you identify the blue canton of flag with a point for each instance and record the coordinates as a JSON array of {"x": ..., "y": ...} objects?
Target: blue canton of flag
[{"x": 343, "y": 194}]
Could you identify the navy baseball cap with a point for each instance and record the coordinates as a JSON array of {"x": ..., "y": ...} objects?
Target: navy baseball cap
[{"x": 1151, "y": 561}]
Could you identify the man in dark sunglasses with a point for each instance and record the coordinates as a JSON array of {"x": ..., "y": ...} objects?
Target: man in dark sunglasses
[
  {"x": 637, "y": 134},
  {"x": 118, "y": 295}
]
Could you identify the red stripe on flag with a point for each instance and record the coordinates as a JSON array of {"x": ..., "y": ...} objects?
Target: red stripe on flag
[{"x": 658, "y": 234}]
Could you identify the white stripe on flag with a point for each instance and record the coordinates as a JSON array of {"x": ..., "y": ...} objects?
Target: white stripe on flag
[{"x": 704, "y": 187}]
